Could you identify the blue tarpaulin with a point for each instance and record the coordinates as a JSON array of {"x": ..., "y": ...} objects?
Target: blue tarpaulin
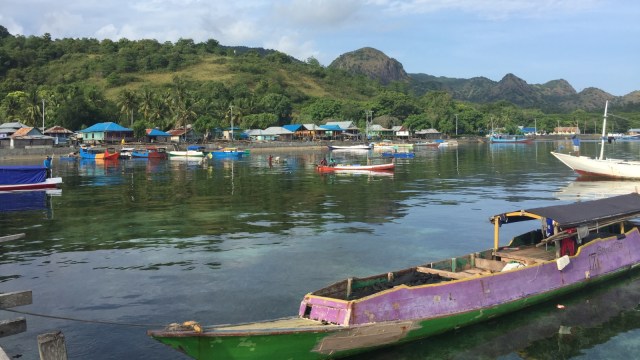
[{"x": 11, "y": 175}]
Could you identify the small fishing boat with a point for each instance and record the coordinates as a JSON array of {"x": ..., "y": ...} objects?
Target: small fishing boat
[
  {"x": 192, "y": 151},
  {"x": 570, "y": 247},
  {"x": 351, "y": 147},
  {"x": 509, "y": 139},
  {"x": 435, "y": 143},
  {"x": 27, "y": 177},
  {"x": 228, "y": 152},
  {"x": 358, "y": 167},
  {"x": 97, "y": 153},
  {"x": 126, "y": 152},
  {"x": 150, "y": 152},
  {"x": 399, "y": 155}
]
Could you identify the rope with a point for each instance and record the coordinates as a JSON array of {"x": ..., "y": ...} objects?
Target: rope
[{"x": 85, "y": 320}]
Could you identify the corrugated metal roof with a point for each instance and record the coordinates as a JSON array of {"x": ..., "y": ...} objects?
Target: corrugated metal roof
[
  {"x": 58, "y": 130},
  {"x": 156, "y": 132},
  {"x": 105, "y": 127},
  {"x": 331, "y": 127},
  {"x": 293, "y": 127}
]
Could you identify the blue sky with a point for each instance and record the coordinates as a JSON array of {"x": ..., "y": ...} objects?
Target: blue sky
[{"x": 589, "y": 43}]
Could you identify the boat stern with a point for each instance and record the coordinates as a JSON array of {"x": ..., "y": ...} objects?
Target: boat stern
[{"x": 326, "y": 310}]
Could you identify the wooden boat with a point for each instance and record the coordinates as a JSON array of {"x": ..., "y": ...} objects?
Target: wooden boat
[
  {"x": 388, "y": 145},
  {"x": 571, "y": 246},
  {"x": 509, "y": 139},
  {"x": 188, "y": 153},
  {"x": 601, "y": 167},
  {"x": 399, "y": 155},
  {"x": 434, "y": 143},
  {"x": 228, "y": 152},
  {"x": 96, "y": 153},
  {"x": 350, "y": 167},
  {"x": 126, "y": 152},
  {"x": 150, "y": 152},
  {"x": 351, "y": 147},
  {"x": 30, "y": 177}
]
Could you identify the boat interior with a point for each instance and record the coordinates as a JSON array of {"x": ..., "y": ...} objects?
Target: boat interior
[{"x": 524, "y": 250}]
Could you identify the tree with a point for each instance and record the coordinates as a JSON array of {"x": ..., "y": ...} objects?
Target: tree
[{"x": 127, "y": 101}]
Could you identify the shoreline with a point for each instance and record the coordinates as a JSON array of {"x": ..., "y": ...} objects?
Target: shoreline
[{"x": 257, "y": 147}]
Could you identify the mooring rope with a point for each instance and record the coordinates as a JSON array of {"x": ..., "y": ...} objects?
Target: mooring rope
[{"x": 104, "y": 322}]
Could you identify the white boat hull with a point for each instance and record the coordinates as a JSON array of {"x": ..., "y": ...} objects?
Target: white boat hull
[{"x": 609, "y": 168}]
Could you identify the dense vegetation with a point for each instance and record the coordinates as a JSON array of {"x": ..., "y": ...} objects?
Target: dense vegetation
[{"x": 144, "y": 83}]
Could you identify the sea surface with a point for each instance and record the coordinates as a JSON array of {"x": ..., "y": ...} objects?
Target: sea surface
[{"x": 134, "y": 245}]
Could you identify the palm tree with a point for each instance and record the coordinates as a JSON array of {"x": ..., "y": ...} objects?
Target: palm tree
[
  {"x": 147, "y": 102},
  {"x": 127, "y": 101}
]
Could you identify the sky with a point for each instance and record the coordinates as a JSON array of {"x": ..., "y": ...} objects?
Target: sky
[{"x": 589, "y": 43}]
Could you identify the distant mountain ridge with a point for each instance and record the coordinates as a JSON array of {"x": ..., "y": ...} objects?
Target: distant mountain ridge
[{"x": 555, "y": 95}]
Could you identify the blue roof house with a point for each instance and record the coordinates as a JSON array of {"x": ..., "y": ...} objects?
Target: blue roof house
[{"x": 106, "y": 132}]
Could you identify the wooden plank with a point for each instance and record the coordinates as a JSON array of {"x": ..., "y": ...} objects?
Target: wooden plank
[
  {"x": 12, "y": 327},
  {"x": 16, "y": 298},
  {"x": 444, "y": 273},
  {"x": 51, "y": 346},
  {"x": 491, "y": 265},
  {"x": 12, "y": 237},
  {"x": 3, "y": 355}
]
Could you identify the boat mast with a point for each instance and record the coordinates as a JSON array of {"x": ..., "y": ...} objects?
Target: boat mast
[{"x": 604, "y": 126}]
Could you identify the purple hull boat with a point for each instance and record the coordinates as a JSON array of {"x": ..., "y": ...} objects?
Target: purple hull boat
[{"x": 571, "y": 247}]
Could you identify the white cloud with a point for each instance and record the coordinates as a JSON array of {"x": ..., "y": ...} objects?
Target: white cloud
[
  {"x": 61, "y": 23},
  {"x": 490, "y": 9},
  {"x": 291, "y": 45},
  {"x": 319, "y": 13}
]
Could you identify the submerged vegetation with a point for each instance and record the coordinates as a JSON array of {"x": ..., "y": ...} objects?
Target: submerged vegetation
[{"x": 145, "y": 83}]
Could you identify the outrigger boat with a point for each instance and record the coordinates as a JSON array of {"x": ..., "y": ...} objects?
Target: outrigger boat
[{"x": 571, "y": 247}]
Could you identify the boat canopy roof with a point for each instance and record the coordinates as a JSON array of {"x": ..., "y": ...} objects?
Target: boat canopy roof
[{"x": 581, "y": 213}]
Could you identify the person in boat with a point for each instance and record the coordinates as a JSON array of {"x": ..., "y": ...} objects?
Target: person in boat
[
  {"x": 332, "y": 162},
  {"x": 47, "y": 164},
  {"x": 323, "y": 162}
]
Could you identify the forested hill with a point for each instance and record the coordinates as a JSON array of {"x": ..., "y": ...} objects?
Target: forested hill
[
  {"x": 145, "y": 83},
  {"x": 553, "y": 96}
]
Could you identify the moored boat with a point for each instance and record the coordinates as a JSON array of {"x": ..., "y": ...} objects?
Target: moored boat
[
  {"x": 348, "y": 167},
  {"x": 600, "y": 166},
  {"x": 228, "y": 152},
  {"x": 97, "y": 153},
  {"x": 399, "y": 155},
  {"x": 509, "y": 139},
  {"x": 150, "y": 152},
  {"x": 584, "y": 244},
  {"x": 188, "y": 153},
  {"x": 126, "y": 152},
  {"x": 351, "y": 147},
  {"x": 31, "y": 177}
]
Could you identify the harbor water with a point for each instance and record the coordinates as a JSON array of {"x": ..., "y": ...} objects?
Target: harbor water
[{"x": 134, "y": 245}]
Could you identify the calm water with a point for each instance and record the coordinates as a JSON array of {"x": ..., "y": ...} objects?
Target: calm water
[{"x": 150, "y": 243}]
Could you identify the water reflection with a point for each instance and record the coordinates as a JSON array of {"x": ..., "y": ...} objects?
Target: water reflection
[
  {"x": 28, "y": 200},
  {"x": 589, "y": 189}
]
